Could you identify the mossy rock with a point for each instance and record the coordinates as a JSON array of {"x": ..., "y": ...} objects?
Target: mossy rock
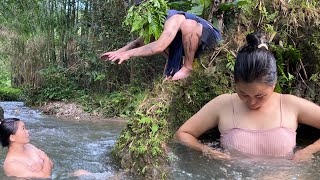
[{"x": 141, "y": 147}]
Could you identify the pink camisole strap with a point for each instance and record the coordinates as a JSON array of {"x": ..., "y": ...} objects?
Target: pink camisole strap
[{"x": 281, "y": 110}]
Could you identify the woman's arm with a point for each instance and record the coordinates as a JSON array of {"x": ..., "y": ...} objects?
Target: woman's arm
[
  {"x": 19, "y": 169},
  {"x": 307, "y": 152},
  {"x": 307, "y": 113},
  {"x": 204, "y": 120},
  {"x": 43, "y": 156}
]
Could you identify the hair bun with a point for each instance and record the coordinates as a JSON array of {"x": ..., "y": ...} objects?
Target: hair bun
[{"x": 253, "y": 39}]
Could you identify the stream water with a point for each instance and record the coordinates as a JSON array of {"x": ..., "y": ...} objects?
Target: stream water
[
  {"x": 76, "y": 145},
  {"x": 188, "y": 164}
]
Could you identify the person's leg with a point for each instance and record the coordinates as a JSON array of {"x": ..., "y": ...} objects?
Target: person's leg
[{"x": 191, "y": 34}]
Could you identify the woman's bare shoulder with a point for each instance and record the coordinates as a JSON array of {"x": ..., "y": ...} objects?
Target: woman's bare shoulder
[
  {"x": 292, "y": 100},
  {"x": 222, "y": 99},
  {"x": 289, "y": 97}
]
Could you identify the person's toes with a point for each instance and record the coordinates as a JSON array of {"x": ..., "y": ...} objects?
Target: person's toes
[
  {"x": 167, "y": 78},
  {"x": 181, "y": 74}
]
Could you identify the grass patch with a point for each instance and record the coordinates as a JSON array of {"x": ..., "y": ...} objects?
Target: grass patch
[{"x": 10, "y": 94}]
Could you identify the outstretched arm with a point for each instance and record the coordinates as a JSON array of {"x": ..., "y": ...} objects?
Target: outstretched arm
[
  {"x": 309, "y": 114},
  {"x": 204, "y": 120},
  {"x": 133, "y": 44},
  {"x": 171, "y": 27}
]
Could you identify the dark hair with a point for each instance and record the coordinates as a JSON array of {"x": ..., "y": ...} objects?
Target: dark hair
[
  {"x": 7, "y": 127},
  {"x": 255, "y": 63}
]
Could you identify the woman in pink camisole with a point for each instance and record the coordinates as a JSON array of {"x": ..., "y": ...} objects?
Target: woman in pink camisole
[{"x": 255, "y": 120}]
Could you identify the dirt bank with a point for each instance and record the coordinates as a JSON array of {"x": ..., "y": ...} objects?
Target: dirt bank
[{"x": 73, "y": 111}]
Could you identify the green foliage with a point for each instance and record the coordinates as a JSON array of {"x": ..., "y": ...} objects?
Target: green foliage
[
  {"x": 143, "y": 137},
  {"x": 57, "y": 84},
  {"x": 122, "y": 103},
  {"x": 231, "y": 62},
  {"x": 5, "y": 76},
  {"x": 190, "y": 96},
  {"x": 304, "y": 3},
  {"x": 141, "y": 144},
  {"x": 288, "y": 58},
  {"x": 180, "y": 5},
  {"x": 199, "y": 6},
  {"x": 148, "y": 18},
  {"x": 227, "y": 6},
  {"x": 16, "y": 15},
  {"x": 10, "y": 94},
  {"x": 315, "y": 77},
  {"x": 292, "y": 29},
  {"x": 311, "y": 50},
  {"x": 232, "y": 11}
]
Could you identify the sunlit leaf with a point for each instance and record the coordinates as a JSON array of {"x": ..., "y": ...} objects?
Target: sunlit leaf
[
  {"x": 154, "y": 128},
  {"x": 197, "y": 10}
]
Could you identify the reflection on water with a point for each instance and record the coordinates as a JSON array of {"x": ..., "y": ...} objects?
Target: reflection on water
[
  {"x": 70, "y": 145},
  {"x": 84, "y": 145}
]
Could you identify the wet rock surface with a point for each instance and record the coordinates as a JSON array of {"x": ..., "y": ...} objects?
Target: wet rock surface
[{"x": 72, "y": 111}]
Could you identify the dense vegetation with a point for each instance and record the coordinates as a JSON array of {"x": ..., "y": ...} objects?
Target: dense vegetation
[{"x": 50, "y": 50}]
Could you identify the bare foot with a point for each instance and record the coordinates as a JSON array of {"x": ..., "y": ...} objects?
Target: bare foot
[
  {"x": 167, "y": 78},
  {"x": 184, "y": 72}
]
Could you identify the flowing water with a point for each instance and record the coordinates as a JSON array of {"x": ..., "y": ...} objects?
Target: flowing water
[
  {"x": 188, "y": 164},
  {"x": 83, "y": 145}
]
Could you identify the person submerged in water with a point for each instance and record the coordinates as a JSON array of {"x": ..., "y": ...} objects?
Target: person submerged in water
[
  {"x": 184, "y": 35},
  {"x": 255, "y": 120},
  {"x": 23, "y": 160}
]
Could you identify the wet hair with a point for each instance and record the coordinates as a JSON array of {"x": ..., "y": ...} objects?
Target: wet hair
[
  {"x": 255, "y": 63},
  {"x": 8, "y": 127}
]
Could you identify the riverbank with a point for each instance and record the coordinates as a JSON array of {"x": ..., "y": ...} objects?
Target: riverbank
[{"x": 74, "y": 111}]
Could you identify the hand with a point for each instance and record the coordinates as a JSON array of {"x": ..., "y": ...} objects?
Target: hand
[
  {"x": 115, "y": 55},
  {"x": 302, "y": 155},
  {"x": 45, "y": 157},
  {"x": 106, "y": 55},
  {"x": 214, "y": 154},
  {"x": 36, "y": 167}
]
